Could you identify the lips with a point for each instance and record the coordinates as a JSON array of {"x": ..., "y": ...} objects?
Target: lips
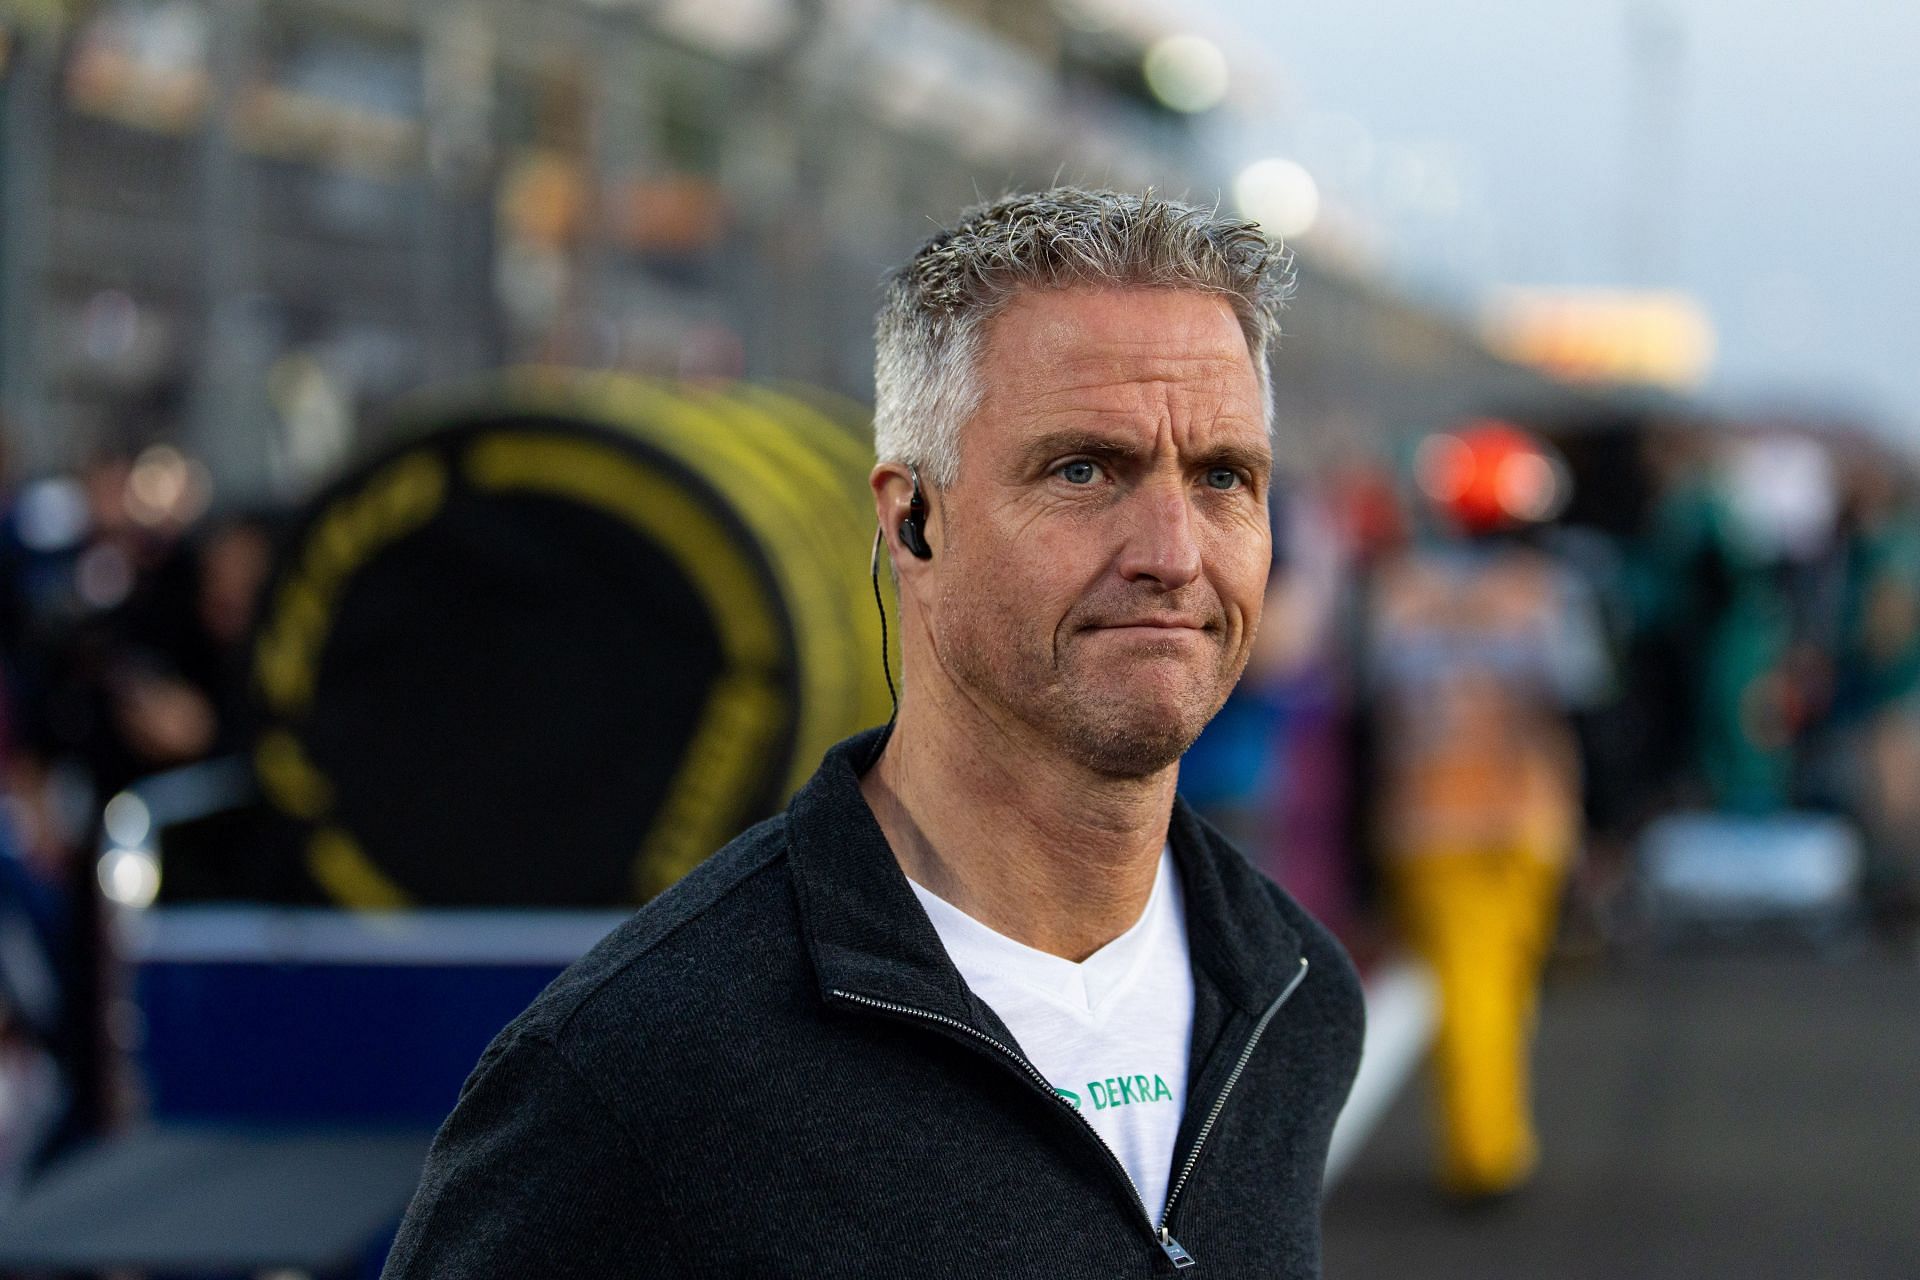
[{"x": 1151, "y": 624}]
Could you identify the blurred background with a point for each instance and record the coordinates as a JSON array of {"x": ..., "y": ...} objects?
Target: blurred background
[{"x": 432, "y": 517}]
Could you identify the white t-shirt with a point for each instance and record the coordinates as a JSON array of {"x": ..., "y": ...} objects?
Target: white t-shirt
[{"x": 1109, "y": 1033}]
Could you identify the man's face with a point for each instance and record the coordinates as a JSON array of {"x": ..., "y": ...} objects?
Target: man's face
[{"x": 1104, "y": 550}]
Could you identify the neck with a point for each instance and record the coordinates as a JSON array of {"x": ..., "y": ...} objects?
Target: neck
[{"x": 1035, "y": 846}]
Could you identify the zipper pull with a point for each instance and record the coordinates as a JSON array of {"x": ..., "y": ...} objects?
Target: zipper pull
[{"x": 1181, "y": 1258}]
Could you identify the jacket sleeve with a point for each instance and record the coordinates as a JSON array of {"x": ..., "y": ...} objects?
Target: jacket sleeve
[{"x": 531, "y": 1176}]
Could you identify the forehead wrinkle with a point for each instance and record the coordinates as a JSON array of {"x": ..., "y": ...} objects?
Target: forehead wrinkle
[
  {"x": 1163, "y": 400},
  {"x": 1073, "y": 369},
  {"x": 1076, "y": 369},
  {"x": 1158, "y": 362}
]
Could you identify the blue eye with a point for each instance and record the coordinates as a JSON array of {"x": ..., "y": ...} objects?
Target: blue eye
[
  {"x": 1223, "y": 478},
  {"x": 1081, "y": 472}
]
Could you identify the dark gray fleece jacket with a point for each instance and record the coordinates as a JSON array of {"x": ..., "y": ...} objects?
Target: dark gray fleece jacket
[{"x": 773, "y": 1069}]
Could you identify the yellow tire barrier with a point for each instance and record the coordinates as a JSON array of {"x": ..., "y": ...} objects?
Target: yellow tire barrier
[{"x": 565, "y": 638}]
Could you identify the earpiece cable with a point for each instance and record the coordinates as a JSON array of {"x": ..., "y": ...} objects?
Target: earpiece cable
[{"x": 873, "y": 568}]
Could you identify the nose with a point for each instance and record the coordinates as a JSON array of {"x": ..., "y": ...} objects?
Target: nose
[{"x": 1161, "y": 544}]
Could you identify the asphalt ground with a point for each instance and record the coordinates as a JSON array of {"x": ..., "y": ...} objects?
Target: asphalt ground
[{"x": 1750, "y": 1116}]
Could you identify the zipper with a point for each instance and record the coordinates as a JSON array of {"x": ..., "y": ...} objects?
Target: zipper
[
  {"x": 1180, "y": 1258},
  {"x": 1200, "y": 1138}
]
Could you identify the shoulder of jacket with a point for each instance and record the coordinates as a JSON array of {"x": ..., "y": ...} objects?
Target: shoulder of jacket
[
  {"x": 697, "y": 909},
  {"x": 1333, "y": 989},
  {"x": 1334, "y": 976}
]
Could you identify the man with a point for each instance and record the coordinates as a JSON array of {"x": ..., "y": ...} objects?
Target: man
[{"x": 987, "y": 1000}]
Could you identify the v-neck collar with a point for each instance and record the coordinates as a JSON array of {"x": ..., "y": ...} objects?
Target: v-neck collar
[
  {"x": 867, "y": 933},
  {"x": 1088, "y": 988}
]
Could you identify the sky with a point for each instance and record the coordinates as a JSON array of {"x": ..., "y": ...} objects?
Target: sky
[{"x": 1758, "y": 154}]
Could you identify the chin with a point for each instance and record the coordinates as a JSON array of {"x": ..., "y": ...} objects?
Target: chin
[{"x": 1137, "y": 741}]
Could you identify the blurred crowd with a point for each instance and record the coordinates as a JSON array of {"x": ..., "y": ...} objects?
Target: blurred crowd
[
  {"x": 1578, "y": 631},
  {"x": 125, "y": 606},
  {"x": 1519, "y": 686}
]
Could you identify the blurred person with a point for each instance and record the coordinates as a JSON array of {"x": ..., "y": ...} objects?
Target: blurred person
[
  {"x": 81, "y": 563},
  {"x": 1636, "y": 743},
  {"x": 71, "y": 556},
  {"x": 1649, "y": 494},
  {"x": 1374, "y": 524},
  {"x": 179, "y": 681},
  {"x": 1876, "y": 713},
  {"x": 1480, "y": 645},
  {"x": 159, "y": 679},
  {"x": 1740, "y": 544},
  {"x": 987, "y": 999},
  {"x": 129, "y": 660}
]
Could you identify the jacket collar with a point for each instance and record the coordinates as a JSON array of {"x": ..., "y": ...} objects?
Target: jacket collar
[{"x": 868, "y": 934}]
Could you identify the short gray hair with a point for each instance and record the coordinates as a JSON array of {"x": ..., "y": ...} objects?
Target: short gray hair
[{"x": 927, "y": 339}]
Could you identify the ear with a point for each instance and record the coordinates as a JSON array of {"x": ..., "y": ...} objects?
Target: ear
[{"x": 892, "y": 486}]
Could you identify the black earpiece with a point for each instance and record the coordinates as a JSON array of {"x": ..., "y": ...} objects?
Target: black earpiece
[{"x": 913, "y": 535}]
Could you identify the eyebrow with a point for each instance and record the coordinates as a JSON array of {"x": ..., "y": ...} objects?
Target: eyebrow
[
  {"x": 1054, "y": 444},
  {"x": 1255, "y": 462}
]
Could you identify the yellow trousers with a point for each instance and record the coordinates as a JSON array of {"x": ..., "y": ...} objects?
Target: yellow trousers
[{"x": 1482, "y": 921}]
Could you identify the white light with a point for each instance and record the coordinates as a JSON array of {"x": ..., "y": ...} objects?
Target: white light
[
  {"x": 130, "y": 877},
  {"x": 1529, "y": 487},
  {"x": 52, "y": 514},
  {"x": 1187, "y": 73},
  {"x": 735, "y": 28},
  {"x": 158, "y": 483},
  {"x": 1279, "y": 195},
  {"x": 127, "y": 819}
]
